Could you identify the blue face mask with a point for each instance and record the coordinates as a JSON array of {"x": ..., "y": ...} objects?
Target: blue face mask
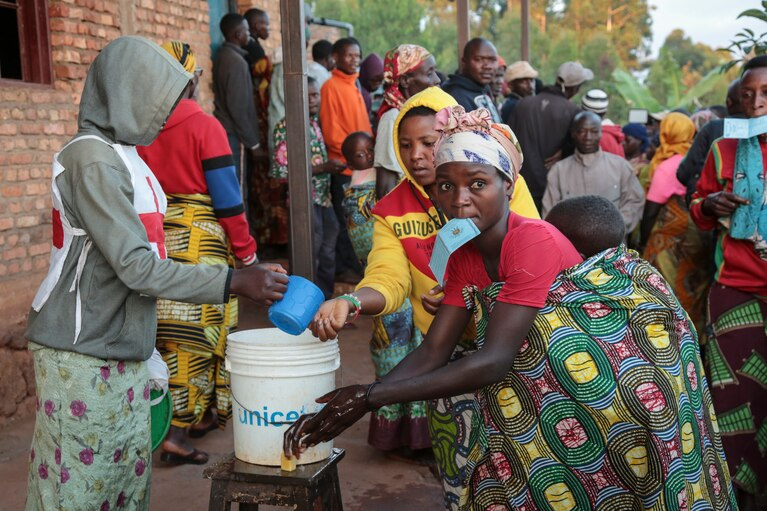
[{"x": 453, "y": 235}]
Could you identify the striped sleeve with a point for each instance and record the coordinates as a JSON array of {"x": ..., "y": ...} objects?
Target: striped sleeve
[{"x": 224, "y": 190}]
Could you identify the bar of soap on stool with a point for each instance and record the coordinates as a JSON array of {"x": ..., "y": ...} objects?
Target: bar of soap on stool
[{"x": 287, "y": 464}]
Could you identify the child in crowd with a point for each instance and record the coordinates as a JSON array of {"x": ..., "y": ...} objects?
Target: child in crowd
[
  {"x": 399, "y": 428},
  {"x": 591, "y": 223},
  {"x": 588, "y": 378}
]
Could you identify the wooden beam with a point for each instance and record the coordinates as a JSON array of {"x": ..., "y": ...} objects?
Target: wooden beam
[
  {"x": 525, "y": 46},
  {"x": 462, "y": 18},
  {"x": 296, "y": 119}
]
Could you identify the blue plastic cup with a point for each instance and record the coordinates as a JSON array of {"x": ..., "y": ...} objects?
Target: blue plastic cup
[{"x": 298, "y": 306}]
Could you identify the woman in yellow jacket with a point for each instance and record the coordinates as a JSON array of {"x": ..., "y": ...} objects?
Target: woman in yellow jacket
[{"x": 406, "y": 225}]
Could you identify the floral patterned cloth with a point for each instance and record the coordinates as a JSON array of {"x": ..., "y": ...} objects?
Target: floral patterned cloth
[
  {"x": 320, "y": 182},
  {"x": 91, "y": 446}
]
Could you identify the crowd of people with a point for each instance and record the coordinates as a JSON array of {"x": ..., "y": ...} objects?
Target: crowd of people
[{"x": 558, "y": 364}]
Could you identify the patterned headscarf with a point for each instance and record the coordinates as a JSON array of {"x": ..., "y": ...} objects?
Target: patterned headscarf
[
  {"x": 474, "y": 137},
  {"x": 397, "y": 62},
  {"x": 183, "y": 53}
]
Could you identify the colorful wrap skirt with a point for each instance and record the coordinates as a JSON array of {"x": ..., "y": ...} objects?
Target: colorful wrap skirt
[
  {"x": 681, "y": 252},
  {"x": 736, "y": 360},
  {"x": 394, "y": 336},
  {"x": 450, "y": 427},
  {"x": 606, "y": 406},
  {"x": 192, "y": 337},
  {"x": 91, "y": 448}
]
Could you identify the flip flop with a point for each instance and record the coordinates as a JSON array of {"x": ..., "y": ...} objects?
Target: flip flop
[
  {"x": 194, "y": 458},
  {"x": 201, "y": 432}
]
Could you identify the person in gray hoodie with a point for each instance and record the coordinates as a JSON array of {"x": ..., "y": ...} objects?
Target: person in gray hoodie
[{"x": 92, "y": 324}]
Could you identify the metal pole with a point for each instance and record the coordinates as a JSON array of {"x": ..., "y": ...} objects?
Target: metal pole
[
  {"x": 462, "y": 6},
  {"x": 525, "y": 50},
  {"x": 296, "y": 119}
]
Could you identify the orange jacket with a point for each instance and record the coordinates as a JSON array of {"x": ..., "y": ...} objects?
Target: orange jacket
[{"x": 342, "y": 112}]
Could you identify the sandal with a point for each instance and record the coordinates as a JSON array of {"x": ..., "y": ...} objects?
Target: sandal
[{"x": 195, "y": 458}]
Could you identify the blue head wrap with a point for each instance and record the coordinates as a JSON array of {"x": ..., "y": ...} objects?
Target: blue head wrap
[{"x": 637, "y": 131}]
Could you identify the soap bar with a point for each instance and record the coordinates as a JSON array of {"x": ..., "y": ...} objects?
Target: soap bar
[{"x": 287, "y": 464}]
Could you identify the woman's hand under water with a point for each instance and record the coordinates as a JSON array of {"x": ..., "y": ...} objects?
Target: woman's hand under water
[
  {"x": 330, "y": 318},
  {"x": 344, "y": 407}
]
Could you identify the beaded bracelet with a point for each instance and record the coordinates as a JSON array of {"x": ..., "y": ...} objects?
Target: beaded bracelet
[
  {"x": 349, "y": 297},
  {"x": 367, "y": 395}
]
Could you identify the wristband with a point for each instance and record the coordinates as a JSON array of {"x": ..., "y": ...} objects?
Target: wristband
[
  {"x": 351, "y": 298},
  {"x": 250, "y": 260},
  {"x": 367, "y": 395}
]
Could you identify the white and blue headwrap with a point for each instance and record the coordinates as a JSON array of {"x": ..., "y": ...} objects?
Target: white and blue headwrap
[{"x": 474, "y": 137}]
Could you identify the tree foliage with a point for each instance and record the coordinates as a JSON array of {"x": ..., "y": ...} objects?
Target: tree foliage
[
  {"x": 612, "y": 37},
  {"x": 747, "y": 43}
]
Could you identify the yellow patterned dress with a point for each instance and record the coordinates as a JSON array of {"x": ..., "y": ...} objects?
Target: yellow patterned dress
[
  {"x": 192, "y": 337},
  {"x": 606, "y": 407}
]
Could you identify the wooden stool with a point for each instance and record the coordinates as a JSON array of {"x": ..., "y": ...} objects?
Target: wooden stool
[{"x": 309, "y": 488}]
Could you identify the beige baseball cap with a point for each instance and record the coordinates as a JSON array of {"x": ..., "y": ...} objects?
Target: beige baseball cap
[
  {"x": 573, "y": 73},
  {"x": 519, "y": 69}
]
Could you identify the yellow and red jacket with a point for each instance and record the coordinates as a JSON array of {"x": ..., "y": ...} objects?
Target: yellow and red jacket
[{"x": 406, "y": 225}]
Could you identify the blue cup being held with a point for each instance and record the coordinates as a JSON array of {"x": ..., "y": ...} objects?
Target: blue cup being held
[{"x": 298, "y": 306}]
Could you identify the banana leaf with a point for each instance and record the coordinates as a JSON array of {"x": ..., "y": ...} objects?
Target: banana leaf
[
  {"x": 704, "y": 86},
  {"x": 635, "y": 94}
]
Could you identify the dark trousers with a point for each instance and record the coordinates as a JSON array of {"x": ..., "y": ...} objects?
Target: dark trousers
[
  {"x": 346, "y": 259},
  {"x": 324, "y": 236}
]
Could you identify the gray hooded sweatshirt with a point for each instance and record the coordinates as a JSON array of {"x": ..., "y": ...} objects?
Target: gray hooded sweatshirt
[{"x": 131, "y": 89}]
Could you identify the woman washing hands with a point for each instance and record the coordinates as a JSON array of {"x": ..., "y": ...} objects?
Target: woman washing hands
[
  {"x": 588, "y": 379},
  {"x": 405, "y": 226}
]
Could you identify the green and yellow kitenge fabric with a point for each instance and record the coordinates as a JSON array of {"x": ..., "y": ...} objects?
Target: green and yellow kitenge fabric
[
  {"x": 606, "y": 407},
  {"x": 192, "y": 337}
]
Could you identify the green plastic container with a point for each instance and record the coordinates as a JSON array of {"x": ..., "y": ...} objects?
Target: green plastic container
[{"x": 161, "y": 413}]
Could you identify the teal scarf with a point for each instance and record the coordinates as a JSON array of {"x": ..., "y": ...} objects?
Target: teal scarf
[{"x": 749, "y": 222}]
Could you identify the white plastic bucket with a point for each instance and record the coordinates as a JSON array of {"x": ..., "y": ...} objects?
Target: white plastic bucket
[{"x": 275, "y": 378}]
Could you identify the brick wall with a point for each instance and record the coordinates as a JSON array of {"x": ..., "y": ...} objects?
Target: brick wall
[{"x": 35, "y": 121}]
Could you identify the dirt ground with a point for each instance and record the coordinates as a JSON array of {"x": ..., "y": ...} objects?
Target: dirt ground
[{"x": 370, "y": 481}]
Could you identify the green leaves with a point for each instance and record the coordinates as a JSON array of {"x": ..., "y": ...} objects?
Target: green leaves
[
  {"x": 635, "y": 94},
  {"x": 746, "y": 43},
  {"x": 639, "y": 96}
]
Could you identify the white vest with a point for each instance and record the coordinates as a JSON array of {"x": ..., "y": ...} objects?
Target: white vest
[{"x": 148, "y": 200}]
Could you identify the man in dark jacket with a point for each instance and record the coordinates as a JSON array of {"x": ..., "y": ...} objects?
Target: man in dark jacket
[
  {"x": 233, "y": 102},
  {"x": 542, "y": 125},
  {"x": 471, "y": 86},
  {"x": 689, "y": 170}
]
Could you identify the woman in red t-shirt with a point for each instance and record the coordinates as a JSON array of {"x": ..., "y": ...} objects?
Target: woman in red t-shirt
[{"x": 588, "y": 379}]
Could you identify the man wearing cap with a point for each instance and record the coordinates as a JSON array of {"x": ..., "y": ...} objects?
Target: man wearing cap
[
  {"x": 542, "y": 125},
  {"x": 520, "y": 77},
  {"x": 596, "y": 100},
  {"x": 471, "y": 87}
]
